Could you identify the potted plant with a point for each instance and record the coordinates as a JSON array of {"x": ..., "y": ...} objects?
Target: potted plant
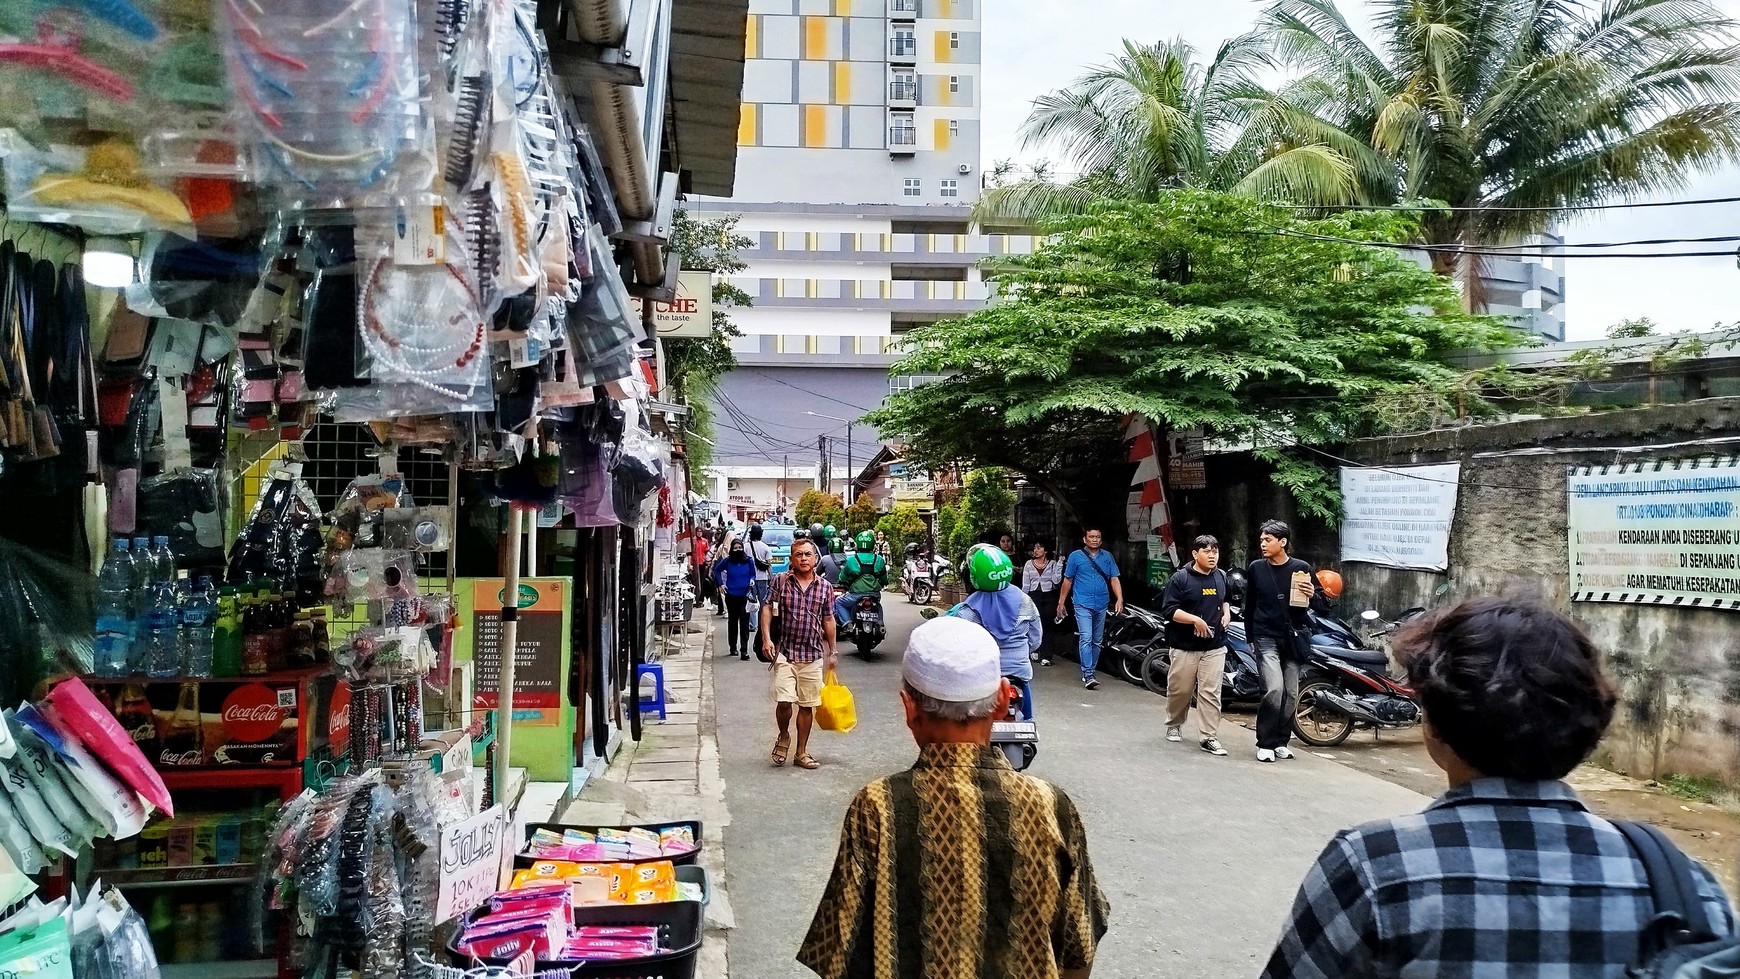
[{"x": 949, "y": 590}]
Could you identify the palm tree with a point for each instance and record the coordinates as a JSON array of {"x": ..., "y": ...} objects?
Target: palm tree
[
  {"x": 1155, "y": 118},
  {"x": 1518, "y": 112}
]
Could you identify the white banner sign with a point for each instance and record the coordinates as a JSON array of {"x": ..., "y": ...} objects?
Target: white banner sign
[
  {"x": 690, "y": 315},
  {"x": 1665, "y": 533},
  {"x": 472, "y": 854},
  {"x": 1400, "y": 517}
]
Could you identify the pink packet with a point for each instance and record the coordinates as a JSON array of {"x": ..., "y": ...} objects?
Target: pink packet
[
  {"x": 507, "y": 945},
  {"x": 631, "y": 932},
  {"x": 86, "y": 719}
]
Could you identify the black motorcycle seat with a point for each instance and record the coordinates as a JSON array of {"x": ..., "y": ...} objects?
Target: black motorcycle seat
[{"x": 1358, "y": 657}]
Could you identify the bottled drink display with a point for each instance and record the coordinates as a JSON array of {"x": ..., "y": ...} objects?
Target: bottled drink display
[
  {"x": 227, "y": 636},
  {"x": 198, "y": 615},
  {"x": 256, "y": 644},
  {"x": 114, "y": 634},
  {"x": 160, "y": 657},
  {"x": 185, "y": 742},
  {"x": 141, "y": 554},
  {"x": 133, "y": 712}
]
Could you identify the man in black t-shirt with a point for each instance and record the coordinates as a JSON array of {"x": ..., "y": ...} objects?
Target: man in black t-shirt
[
  {"x": 1196, "y": 612},
  {"x": 1279, "y": 591}
]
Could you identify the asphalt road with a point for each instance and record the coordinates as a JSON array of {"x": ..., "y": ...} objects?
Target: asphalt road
[{"x": 1198, "y": 855}]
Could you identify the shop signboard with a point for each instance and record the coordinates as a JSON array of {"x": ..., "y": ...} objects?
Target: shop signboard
[
  {"x": 1657, "y": 533},
  {"x": 690, "y": 315},
  {"x": 538, "y": 657},
  {"x": 472, "y": 855},
  {"x": 1399, "y": 517}
]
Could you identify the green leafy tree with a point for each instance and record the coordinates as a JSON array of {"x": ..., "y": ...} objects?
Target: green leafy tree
[
  {"x": 694, "y": 366},
  {"x": 1204, "y": 310},
  {"x": 947, "y": 519},
  {"x": 832, "y": 513},
  {"x": 1155, "y": 118},
  {"x": 986, "y": 506},
  {"x": 1517, "y": 112},
  {"x": 862, "y": 514},
  {"x": 1633, "y": 329},
  {"x": 902, "y": 526},
  {"x": 808, "y": 504}
]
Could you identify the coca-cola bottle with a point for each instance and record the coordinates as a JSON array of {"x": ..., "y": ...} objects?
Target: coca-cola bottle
[
  {"x": 185, "y": 742},
  {"x": 133, "y": 712}
]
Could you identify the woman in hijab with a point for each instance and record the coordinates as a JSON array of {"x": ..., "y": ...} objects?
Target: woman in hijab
[
  {"x": 735, "y": 576},
  {"x": 1006, "y": 612}
]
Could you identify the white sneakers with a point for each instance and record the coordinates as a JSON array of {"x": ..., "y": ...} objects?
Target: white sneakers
[
  {"x": 1265, "y": 755},
  {"x": 1283, "y": 753},
  {"x": 1271, "y": 754},
  {"x": 1212, "y": 746},
  {"x": 1174, "y": 734}
]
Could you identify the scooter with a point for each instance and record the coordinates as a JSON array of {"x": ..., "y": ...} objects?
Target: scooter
[
  {"x": 867, "y": 627},
  {"x": 1242, "y": 680},
  {"x": 919, "y": 578},
  {"x": 1131, "y": 637},
  {"x": 1017, "y": 736}
]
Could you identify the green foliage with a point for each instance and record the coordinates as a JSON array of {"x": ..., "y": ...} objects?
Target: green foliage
[
  {"x": 1200, "y": 309},
  {"x": 1517, "y": 112},
  {"x": 987, "y": 505},
  {"x": 808, "y": 504},
  {"x": 695, "y": 366},
  {"x": 902, "y": 526},
  {"x": 1697, "y": 788},
  {"x": 834, "y": 514},
  {"x": 861, "y": 515},
  {"x": 1633, "y": 329},
  {"x": 948, "y": 518}
]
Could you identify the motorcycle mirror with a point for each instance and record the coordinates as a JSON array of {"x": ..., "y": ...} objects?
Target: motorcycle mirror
[{"x": 1370, "y": 615}]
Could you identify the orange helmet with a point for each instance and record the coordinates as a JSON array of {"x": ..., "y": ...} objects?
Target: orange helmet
[{"x": 1329, "y": 582}]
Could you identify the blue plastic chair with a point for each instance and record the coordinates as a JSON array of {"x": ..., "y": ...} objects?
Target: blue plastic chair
[{"x": 657, "y": 670}]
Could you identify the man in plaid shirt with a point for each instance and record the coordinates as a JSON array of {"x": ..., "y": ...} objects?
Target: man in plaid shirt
[
  {"x": 801, "y": 602},
  {"x": 1508, "y": 874}
]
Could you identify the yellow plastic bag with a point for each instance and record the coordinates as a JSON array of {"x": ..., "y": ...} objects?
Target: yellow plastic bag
[{"x": 837, "y": 712}]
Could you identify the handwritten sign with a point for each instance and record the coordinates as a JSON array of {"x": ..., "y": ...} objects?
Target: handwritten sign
[{"x": 471, "y": 855}]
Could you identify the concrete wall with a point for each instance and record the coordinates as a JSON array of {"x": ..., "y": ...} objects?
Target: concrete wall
[{"x": 1679, "y": 669}]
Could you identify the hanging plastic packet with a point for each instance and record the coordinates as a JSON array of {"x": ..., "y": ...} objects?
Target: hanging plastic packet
[
  {"x": 123, "y": 813},
  {"x": 43, "y": 952},
  {"x": 129, "y": 939},
  {"x": 48, "y": 830},
  {"x": 16, "y": 840},
  {"x": 79, "y": 714},
  {"x": 15, "y": 886},
  {"x": 40, "y": 764}
]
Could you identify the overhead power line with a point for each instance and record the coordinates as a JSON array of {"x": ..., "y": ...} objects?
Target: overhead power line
[
  {"x": 1475, "y": 209},
  {"x": 1512, "y": 251}
]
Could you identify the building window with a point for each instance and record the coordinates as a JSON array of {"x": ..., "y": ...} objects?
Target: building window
[
  {"x": 906, "y": 382},
  {"x": 951, "y": 188},
  {"x": 904, "y": 87},
  {"x": 954, "y": 127},
  {"x": 902, "y": 130},
  {"x": 904, "y": 43},
  {"x": 954, "y": 84},
  {"x": 912, "y": 188},
  {"x": 955, "y": 40}
]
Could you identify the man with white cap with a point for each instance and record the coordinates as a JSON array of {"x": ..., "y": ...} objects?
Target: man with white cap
[{"x": 960, "y": 866}]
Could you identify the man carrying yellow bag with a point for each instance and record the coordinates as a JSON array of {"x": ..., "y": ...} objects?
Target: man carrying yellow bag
[{"x": 837, "y": 712}]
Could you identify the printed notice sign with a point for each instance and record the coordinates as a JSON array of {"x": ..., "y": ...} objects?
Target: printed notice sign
[
  {"x": 1661, "y": 533},
  {"x": 472, "y": 853},
  {"x": 1399, "y": 517}
]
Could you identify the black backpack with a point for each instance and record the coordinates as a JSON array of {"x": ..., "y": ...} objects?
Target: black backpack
[{"x": 1678, "y": 942}]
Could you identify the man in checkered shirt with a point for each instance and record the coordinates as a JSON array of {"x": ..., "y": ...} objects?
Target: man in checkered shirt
[{"x": 1508, "y": 874}]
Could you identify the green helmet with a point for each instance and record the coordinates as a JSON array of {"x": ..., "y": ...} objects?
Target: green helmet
[
  {"x": 866, "y": 541},
  {"x": 835, "y": 546},
  {"x": 830, "y": 532},
  {"x": 989, "y": 568}
]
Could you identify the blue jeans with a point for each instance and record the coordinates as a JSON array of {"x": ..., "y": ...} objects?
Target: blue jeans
[
  {"x": 1090, "y": 627},
  {"x": 843, "y": 607},
  {"x": 763, "y": 587}
]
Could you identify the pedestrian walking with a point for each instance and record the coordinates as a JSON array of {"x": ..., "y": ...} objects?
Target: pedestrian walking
[
  {"x": 1090, "y": 577},
  {"x": 1006, "y": 613},
  {"x": 1508, "y": 873},
  {"x": 762, "y": 555},
  {"x": 734, "y": 577},
  {"x": 959, "y": 867},
  {"x": 1279, "y": 594},
  {"x": 800, "y": 602},
  {"x": 1196, "y": 610},
  {"x": 1041, "y": 579},
  {"x": 884, "y": 549}
]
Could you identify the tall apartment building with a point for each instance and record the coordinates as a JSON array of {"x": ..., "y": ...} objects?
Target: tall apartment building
[
  {"x": 858, "y": 165},
  {"x": 1530, "y": 290}
]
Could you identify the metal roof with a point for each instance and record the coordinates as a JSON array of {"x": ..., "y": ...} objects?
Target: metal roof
[{"x": 706, "y": 93}]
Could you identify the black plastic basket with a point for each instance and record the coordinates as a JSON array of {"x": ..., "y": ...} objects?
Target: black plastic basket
[
  {"x": 680, "y": 860},
  {"x": 680, "y": 929}
]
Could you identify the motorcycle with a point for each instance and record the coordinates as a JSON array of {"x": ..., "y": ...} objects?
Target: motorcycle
[
  {"x": 1344, "y": 687},
  {"x": 1017, "y": 736},
  {"x": 1241, "y": 682},
  {"x": 867, "y": 627},
  {"x": 919, "y": 578},
  {"x": 1130, "y": 638}
]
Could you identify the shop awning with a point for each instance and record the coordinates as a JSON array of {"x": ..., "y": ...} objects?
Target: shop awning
[{"x": 707, "y": 53}]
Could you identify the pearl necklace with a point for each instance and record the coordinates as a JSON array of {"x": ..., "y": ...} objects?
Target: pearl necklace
[{"x": 392, "y": 340}]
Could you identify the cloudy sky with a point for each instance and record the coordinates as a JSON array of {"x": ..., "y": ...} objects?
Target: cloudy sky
[{"x": 1032, "y": 47}]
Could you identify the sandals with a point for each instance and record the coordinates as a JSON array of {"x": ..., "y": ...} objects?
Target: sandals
[
  {"x": 805, "y": 761},
  {"x": 780, "y": 747}
]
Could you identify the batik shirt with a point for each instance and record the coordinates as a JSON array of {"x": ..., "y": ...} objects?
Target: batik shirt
[{"x": 958, "y": 868}]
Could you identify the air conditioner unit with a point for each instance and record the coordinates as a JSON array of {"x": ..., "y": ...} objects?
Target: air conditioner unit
[
  {"x": 966, "y": 168},
  {"x": 733, "y": 484}
]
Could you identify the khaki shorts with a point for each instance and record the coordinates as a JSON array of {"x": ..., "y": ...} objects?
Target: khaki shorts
[{"x": 798, "y": 683}]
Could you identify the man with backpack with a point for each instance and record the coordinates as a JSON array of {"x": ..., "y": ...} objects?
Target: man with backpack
[
  {"x": 1508, "y": 873},
  {"x": 1196, "y": 610},
  {"x": 1091, "y": 576},
  {"x": 861, "y": 572},
  {"x": 762, "y": 555}
]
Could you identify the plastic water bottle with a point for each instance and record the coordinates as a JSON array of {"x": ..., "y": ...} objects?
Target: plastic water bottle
[
  {"x": 162, "y": 650},
  {"x": 198, "y": 617},
  {"x": 141, "y": 586},
  {"x": 115, "y": 612},
  {"x": 162, "y": 561}
]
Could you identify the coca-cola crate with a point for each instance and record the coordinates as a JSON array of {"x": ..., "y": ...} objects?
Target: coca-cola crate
[{"x": 235, "y": 721}]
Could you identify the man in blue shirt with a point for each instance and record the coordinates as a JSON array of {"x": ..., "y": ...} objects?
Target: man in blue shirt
[{"x": 1090, "y": 576}]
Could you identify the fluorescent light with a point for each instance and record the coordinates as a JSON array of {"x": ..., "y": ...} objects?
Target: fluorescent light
[{"x": 108, "y": 263}]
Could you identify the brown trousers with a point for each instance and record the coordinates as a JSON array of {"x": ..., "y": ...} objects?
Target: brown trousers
[{"x": 1195, "y": 675}]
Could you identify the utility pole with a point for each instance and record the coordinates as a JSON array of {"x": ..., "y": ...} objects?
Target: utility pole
[
  {"x": 784, "y": 475},
  {"x": 822, "y": 463},
  {"x": 851, "y": 472}
]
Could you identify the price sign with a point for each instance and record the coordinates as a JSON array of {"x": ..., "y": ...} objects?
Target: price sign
[{"x": 471, "y": 855}]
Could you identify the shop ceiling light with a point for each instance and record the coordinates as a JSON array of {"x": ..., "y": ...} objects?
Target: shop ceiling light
[{"x": 109, "y": 263}]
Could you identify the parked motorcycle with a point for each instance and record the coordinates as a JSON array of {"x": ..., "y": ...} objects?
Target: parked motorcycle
[
  {"x": 1241, "y": 682},
  {"x": 1130, "y": 638},
  {"x": 1345, "y": 687},
  {"x": 919, "y": 578}
]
